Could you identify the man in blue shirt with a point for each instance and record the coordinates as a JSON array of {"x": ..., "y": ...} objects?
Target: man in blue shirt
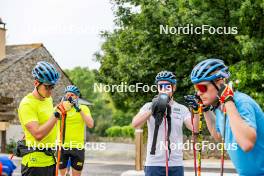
[{"x": 244, "y": 124}]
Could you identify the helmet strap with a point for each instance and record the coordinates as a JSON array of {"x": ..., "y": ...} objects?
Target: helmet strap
[
  {"x": 37, "y": 88},
  {"x": 215, "y": 85}
]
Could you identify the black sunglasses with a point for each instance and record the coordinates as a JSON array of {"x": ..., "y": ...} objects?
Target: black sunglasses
[
  {"x": 165, "y": 86},
  {"x": 49, "y": 87}
]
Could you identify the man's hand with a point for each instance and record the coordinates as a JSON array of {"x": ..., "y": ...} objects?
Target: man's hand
[
  {"x": 225, "y": 94},
  {"x": 75, "y": 103},
  {"x": 62, "y": 108},
  {"x": 193, "y": 102}
]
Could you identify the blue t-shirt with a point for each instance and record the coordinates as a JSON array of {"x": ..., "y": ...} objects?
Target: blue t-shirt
[{"x": 246, "y": 163}]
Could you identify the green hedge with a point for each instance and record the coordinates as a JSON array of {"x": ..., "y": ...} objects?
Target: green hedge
[
  {"x": 10, "y": 146},
  {"x": 120, "y": 131}
]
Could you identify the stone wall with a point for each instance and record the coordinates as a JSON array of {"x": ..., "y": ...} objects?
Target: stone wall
[{"x": 17, "y": 80}]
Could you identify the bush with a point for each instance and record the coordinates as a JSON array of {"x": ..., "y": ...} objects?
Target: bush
[
  {"x": 10, "y": 146},
  {"x": 114, "y": 131},
  {"x": 101, "y": 127},
  {"x": 122, "y": 118},
  {"x": 118, "y": 131},
  {"x": 128, "y": 131}
]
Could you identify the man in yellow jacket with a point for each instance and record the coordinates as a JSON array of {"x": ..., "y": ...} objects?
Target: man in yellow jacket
[
  {"x": 38, "y": 120},
  {"x": 77, "y": 119}
]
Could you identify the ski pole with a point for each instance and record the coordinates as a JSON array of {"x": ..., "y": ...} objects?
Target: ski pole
[
  {"x": 194, "y": 149},
  {"x": 60, "y": 142},
  {"x": 223, "y": 143},
  {"x": 200, "y": 138},
  {"x": 224, "y": 131},
  {"x": 166, "y": 144}
]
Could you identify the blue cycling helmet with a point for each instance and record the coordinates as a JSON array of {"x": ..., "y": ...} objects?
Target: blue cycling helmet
[
  {"x": 166, "y": 76},
  {"x": 209, "y": 70},
  {"x": 46, "y": 73},
  {"x": 73, "y": 89}
]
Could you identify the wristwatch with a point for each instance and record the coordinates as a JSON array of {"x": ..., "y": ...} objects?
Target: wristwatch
[{"x": 57, "y": 114}]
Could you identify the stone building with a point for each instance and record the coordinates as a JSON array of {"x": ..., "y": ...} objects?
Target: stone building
[
  {"x": 16, "y": 65},
  {"x": 16, "y": 81}
]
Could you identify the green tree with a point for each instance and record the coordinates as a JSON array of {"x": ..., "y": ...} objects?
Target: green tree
[
  {"x": 102, "y": 108},
  {"x": 248, "y": 78},
  {"x": 135, "y": 51}
]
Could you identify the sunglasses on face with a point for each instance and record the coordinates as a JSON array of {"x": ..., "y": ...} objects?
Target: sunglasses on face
[
  {"x": 71, "y": 95},
  {"x": 165, "y": 86},
  {"x": 49, "y": 87},
  {"x": 201, "y": 87}
]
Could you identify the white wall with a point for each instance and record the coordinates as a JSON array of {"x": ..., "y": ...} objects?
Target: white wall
[{"x": 14, "y": 132}]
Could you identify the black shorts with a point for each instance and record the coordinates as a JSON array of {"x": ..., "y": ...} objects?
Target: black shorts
[
  {"x": 38, "y": 171},
  {"x": 76, "y": 156}
]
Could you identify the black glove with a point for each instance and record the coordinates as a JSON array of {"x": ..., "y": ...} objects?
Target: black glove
[
  {"x": 75, "y": 104},
  {"x": 193, "y": 102},
  {"x": 159, "y": 106}
]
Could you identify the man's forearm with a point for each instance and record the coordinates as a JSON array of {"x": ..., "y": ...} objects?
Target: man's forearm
[
  {"x": 196, "y": 121},
  {"x": 87, "y": 119},
  {"x": 140, "y": 119},
  {"x": 48, "y": 126},
  {"x": 40, "y": 131},
  {"x": 210, "y": 122},
  {"x": 244, "y": 134}
]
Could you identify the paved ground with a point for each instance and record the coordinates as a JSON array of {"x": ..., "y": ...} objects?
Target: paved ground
[
  {"x": 99, "y": 168},
  {"x": 94, "y": 169},
  {"x": 112, "y": 168},
  {"x": 118, "y": 158}
]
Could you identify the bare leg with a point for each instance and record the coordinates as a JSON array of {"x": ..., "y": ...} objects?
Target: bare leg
[
  {"x": 76, "y": 173},
  {"x": 62, "y": 172}
]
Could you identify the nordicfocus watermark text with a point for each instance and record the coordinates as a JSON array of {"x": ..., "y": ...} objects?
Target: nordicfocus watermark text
[
  {"x": 89, "y": 146},
  {"x": 124, "y": 87},
  {"x": 190, "y": 29},
  {"x": 204, "y": 146}
]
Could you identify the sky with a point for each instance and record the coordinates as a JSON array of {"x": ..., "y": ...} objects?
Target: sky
[{"x": 69, "y": 29}]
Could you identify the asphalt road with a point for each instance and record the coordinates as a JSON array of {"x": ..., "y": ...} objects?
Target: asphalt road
[
  {"x": 117, "y": 158},
  {"x": 108, "y": 169}
]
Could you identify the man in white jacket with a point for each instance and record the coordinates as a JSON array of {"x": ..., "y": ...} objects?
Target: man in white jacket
[{"x": 176, "y": 115}]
